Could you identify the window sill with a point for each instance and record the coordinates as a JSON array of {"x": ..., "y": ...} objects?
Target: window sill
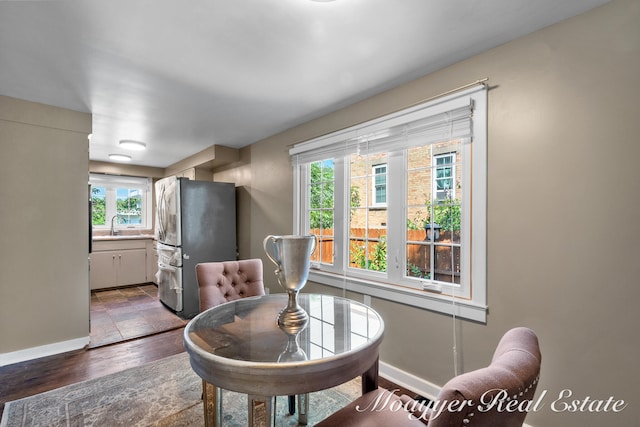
[
  {"x": 123, "y": 237},
  {"x": 413, "y": 297}
]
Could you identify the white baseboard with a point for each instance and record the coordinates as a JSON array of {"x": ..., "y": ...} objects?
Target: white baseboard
[
  {"x": 43, "y": 351},
  {"x": 411, "y": 382}
]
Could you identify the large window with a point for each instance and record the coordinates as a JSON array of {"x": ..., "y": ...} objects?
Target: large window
[
  {"x": 424, "y": 242},
  {"x": 120, "y": 202}
]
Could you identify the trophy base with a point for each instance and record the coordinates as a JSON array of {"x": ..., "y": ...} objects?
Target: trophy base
[
  {"x": 293, "y": 318},
  {"x": 294, "y": 321}
]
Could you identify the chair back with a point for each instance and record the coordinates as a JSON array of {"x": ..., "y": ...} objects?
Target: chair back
[
  {"x": 220, "y": 282},
  {"x": 500, "y": 392}
]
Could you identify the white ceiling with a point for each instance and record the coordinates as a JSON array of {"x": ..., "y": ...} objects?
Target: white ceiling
[{"x": 183, "y": 75}]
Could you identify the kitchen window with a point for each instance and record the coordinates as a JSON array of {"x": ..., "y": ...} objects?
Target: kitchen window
[
  {"x": 422, "y": 244},
  {"x": 120, "y": 202}
]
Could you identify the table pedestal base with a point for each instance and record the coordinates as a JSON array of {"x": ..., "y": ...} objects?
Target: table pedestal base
[{"x": 261, "y": 409}]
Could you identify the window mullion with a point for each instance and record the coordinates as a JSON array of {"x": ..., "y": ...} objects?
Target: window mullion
[
  {"x": 110, "y": 207},
  {"x": 300, "y": 199},
  {"x": 341, "y": 214},
  {"x": 396, "y": 212}
]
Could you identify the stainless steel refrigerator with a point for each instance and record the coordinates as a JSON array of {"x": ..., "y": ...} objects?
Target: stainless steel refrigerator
[{"x": 195, "y": 222}]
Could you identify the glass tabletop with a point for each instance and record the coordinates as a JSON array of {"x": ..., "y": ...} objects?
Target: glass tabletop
[{"x": 246, "y": 330}]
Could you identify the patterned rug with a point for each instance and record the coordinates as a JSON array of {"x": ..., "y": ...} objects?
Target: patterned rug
[{"x": 165, "y": 393}]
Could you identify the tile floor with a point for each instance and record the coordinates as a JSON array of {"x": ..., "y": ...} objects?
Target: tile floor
[{"x": 126, "y": 313}]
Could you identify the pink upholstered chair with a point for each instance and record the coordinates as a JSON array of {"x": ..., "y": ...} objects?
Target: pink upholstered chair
[
  {"x": 220, "y": 282},
  {"x": 224, "y": 281},
  {"x": 513, "y": 373}
]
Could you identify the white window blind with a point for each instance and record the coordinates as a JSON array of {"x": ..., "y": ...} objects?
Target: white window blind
[
  {"x": 115, "y": 181},
  {"x": 410, "y": 128}
]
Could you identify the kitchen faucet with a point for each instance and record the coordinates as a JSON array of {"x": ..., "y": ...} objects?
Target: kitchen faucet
[{"x": 113, "y": 229}]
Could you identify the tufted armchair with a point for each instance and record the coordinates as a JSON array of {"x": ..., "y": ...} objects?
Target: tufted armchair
[
  {"x": 220, "y": 282},
  {"x": 511, "y": 379}
]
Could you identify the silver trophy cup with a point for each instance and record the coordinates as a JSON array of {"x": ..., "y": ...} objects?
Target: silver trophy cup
[{"x": 292, "y": 257}]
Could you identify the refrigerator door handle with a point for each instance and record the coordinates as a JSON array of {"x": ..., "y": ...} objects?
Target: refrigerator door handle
[{"x": 166, "y": 267}]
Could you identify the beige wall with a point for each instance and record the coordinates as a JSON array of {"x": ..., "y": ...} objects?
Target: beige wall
[
  {"x": 44, "y": 271},
  {"x": 239, "y": 172},
  {"x": 563, "y": 227}
]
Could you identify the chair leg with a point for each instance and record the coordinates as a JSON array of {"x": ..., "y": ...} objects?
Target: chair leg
[{"x": 292, "y": 405}]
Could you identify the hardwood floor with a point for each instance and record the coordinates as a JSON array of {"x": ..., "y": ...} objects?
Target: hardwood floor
[{"x": 36, "y": 376}]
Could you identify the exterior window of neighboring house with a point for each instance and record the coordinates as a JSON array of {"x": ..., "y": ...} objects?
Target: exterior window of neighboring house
[
  {"x": 416, "y": 244},
  {"x": 120, "y": 202},
  {"x": 379, "y": 185},
  {"x": 443, "y": 179}
]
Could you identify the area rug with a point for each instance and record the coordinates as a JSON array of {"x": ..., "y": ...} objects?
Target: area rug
[{"x": 164, "y": 393}]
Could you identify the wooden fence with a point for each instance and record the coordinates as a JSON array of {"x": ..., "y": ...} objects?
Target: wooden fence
[{"x": 447, "y": 256}]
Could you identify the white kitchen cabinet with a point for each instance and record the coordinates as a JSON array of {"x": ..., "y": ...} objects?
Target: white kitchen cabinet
[
  {"x": 103, "y": 269},
  {"x": 118, "y": 263}
]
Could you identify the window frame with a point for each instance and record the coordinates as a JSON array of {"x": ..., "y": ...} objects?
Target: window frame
[
  {"x": 113, "y": 182},
  {"x": 467, "y": 300}
]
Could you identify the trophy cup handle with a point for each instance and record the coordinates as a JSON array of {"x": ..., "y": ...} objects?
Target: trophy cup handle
[
  {"x": 315, "y": 243},
  {"x": 266, "y": 244}
]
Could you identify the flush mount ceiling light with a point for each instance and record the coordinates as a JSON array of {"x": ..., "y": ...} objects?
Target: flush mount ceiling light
[
  {"x": 120, "y": 157},
  {"x": 132, "y": 145}
]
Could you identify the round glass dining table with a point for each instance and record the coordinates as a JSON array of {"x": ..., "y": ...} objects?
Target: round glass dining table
[{"x": 239, "y": 346}]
